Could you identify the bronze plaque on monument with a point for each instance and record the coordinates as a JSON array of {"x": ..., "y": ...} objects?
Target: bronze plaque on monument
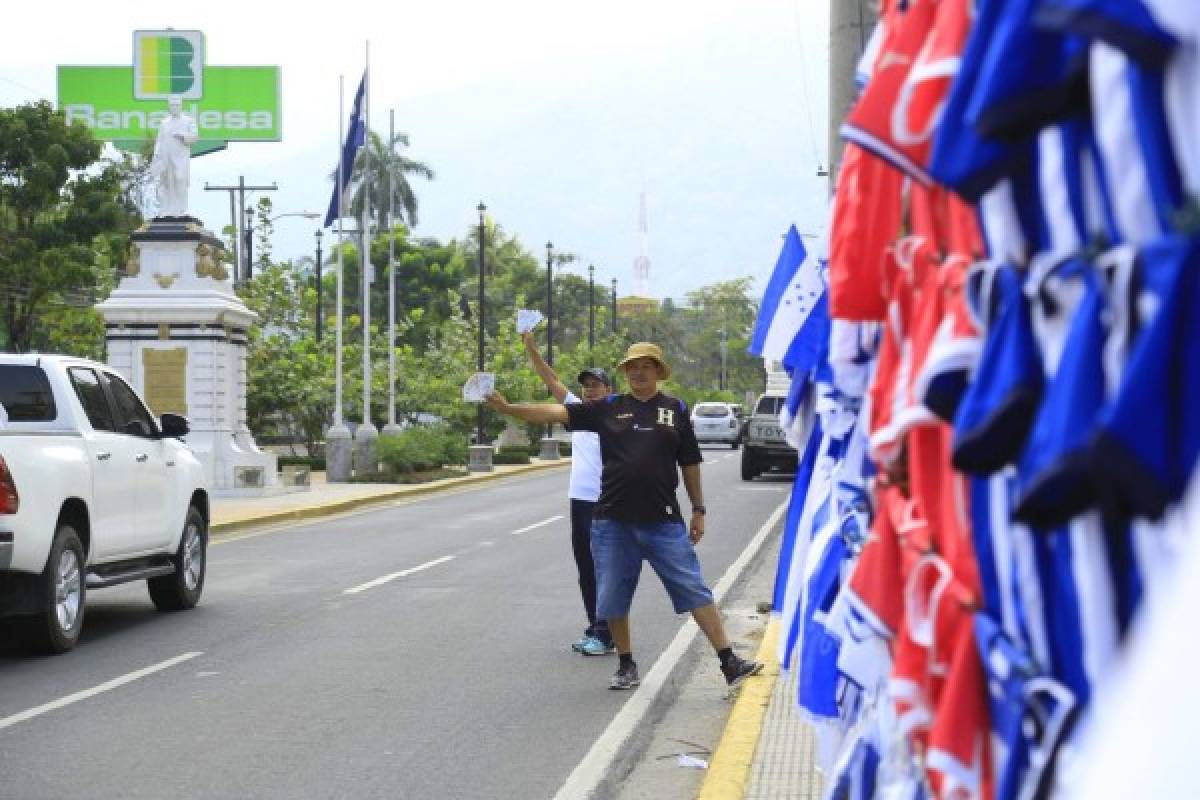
[{"x": 164, "y": 374}]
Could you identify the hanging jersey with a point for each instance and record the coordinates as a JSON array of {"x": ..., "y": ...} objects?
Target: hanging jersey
[
  {"x": 1056, "y": 481},
  {"x": 997, "y": 411},
  {"x": 901, "y": 108},
  {"x": 962, "y": 158},
  {"x": 1154, "y": 435},
  {"x": 1028, "y": 78},
  {"x": 866, "y": 220}
]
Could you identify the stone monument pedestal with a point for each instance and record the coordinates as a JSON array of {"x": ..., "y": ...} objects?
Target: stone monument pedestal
[{"x": 177, "y": 332}]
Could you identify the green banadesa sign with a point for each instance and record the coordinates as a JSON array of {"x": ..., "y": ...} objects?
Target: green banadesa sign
[{"x": 239, "y": 104}]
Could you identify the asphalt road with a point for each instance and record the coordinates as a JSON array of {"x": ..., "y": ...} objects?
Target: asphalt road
[{"x": 416, "y": 651}]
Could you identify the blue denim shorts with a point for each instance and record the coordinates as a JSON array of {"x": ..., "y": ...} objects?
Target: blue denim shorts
[{"x": 618, "y": 548}]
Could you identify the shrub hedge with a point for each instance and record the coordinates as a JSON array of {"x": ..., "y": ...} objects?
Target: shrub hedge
[{"x": 421, "y": 448}]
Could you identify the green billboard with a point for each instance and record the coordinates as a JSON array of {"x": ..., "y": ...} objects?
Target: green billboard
[{"x": 125, "y": 104}]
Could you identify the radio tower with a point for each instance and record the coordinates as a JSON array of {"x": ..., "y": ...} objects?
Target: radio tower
[{"x": 641, "y": 264}]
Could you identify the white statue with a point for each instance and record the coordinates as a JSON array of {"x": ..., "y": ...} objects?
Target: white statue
[{"x": 172, "y": 155}]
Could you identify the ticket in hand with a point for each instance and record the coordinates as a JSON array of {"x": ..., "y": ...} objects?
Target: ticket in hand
[
  {"x": 528, "y": 320},
  {"x": 479, "y": 386}
]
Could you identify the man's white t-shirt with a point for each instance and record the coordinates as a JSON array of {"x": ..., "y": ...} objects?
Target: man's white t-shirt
[{"x": 585, "y": 462}]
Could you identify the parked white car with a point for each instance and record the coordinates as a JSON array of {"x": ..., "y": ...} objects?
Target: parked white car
[
  {"x": 716, "y": 422},
  {"x": 93, "y": 492}
]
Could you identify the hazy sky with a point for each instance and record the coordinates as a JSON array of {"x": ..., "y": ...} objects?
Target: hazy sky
[{"x": 555, "y": 115}]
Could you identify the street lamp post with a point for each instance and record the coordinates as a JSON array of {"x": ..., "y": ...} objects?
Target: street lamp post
[
  {"x": 550, "y": 304},
  {"x": 481, "y": 208},
  {"x": 480, "y": 459},
  {"x": 248, "y": 237},
  {"x": 317, "y": 331},
  {"x": 591, "y": 310},
  {"x": 391, "y": 428},
  {"x": 724, "y": 380},
  {"x": 549, "y": 450},
  {"x": 614, "y": 306}
]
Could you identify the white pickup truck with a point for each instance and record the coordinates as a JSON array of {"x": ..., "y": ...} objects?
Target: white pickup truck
[{"x": 93, "y": 492}]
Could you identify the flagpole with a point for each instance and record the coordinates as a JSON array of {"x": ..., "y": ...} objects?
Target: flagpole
[
  {"x": 367, "y": 267},
  {"x": 337, "y": 450},
  {"x": 366, "y": 434},
  {"x": 337, "y": 403},
  {"x": 391, "y": 423}
]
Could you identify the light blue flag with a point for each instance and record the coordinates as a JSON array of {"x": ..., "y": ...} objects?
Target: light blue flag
[
  {"x": 793, "y": 547},
  {"x": 793, "y": 319}
]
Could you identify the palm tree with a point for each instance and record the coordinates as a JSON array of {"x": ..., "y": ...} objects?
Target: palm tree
[{"x": 386, "y": 162}]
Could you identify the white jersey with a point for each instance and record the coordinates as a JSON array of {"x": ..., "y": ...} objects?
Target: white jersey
[{"x": 586, "y": 463}]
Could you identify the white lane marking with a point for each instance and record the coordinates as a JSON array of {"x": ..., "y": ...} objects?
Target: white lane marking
[
  {"x": 401, "y": 574},
  {"x": 528, "y": 528},
  {"x": 95, "y": 690}
]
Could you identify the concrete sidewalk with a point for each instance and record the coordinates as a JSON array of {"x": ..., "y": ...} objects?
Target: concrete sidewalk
[
  {"x": 321, "y": 498},
  {"x": 767, "y": 751}
]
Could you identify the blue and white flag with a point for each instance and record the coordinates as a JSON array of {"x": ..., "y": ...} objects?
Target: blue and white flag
[
  {"x": 793, "y": 320},
  {"x": 356, "y": 137}
]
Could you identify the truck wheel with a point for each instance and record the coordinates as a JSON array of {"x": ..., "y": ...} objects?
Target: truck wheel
[
  {"x": 749, "y": 468},
  {"x": 61, "y": 591},
  {"x": 181, "y": 589}
]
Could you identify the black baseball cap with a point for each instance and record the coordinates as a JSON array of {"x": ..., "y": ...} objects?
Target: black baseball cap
[{"x": 597, "y": 373}]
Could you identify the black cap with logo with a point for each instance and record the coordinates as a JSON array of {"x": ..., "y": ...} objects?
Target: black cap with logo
[{"x": 597, "y": 373}]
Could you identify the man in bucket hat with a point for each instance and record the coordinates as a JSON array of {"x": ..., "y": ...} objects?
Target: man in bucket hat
[
  {"x": 583, "y": 491},
  {"x": 646, "y": 438}
]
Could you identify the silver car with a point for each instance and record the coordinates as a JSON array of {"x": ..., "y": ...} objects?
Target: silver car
[{"x": 716, "y": 423}]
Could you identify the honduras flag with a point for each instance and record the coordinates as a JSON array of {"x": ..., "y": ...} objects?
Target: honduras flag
[
  {"x": 793, "y": 320},
  {"x": 356, "y": 137}
]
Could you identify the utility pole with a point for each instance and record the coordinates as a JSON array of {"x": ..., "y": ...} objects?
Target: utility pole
[
  {"x": 850, "y": 26},
  {"x": 237, "y": 210}
]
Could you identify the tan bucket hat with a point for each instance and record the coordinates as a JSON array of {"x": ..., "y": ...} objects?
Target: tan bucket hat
[{"x": 647, "y": 350}]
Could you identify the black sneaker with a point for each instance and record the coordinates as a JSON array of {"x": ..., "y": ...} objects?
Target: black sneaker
[
  {"x": 626, "y": 678},
  {"x": 737, "y": 669}
]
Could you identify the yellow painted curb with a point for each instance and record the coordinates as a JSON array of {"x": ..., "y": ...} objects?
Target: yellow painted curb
[
  {"x": 340, "y": 506},
  {"x": 729, "y": 772}
]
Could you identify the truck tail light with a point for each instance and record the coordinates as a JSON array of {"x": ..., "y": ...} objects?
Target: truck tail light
[{"x": 10, "y": 501}]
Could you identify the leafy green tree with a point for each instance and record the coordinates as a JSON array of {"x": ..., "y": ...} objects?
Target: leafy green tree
[
  {"x": 289, "y": 375},
  {"x": 64, "y": 219},
  {"x": 724, "y": 310}
]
